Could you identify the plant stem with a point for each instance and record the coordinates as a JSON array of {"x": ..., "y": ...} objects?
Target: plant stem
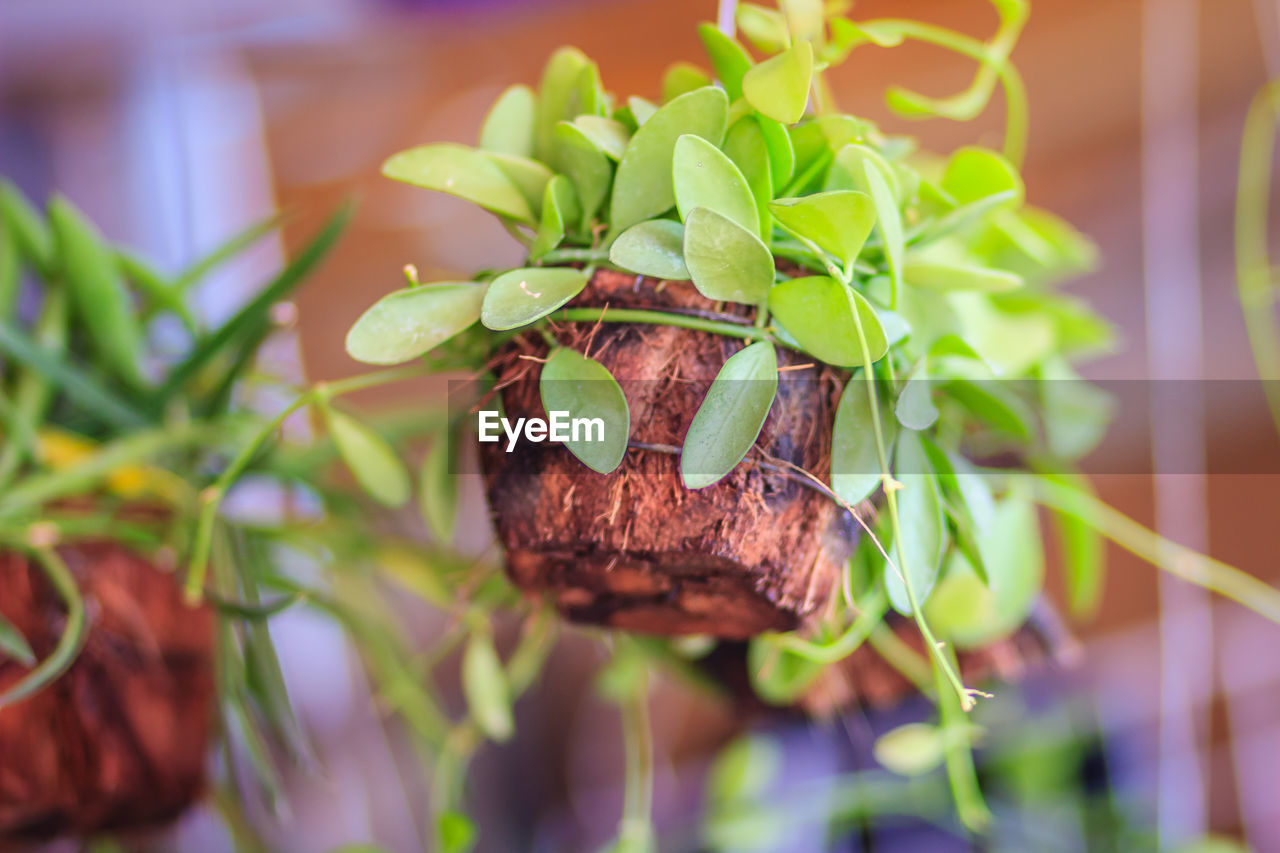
[
  {"x": 559, "y": 256},
  {"x": 662, "y": 318},
  {"x": 635, "y": 830},
  {"x": 961, "y": 773},
  {"x": 69, "y": 644},
  {"x": 872, "y": 612},
  {"x": 1178, "y": 560}
]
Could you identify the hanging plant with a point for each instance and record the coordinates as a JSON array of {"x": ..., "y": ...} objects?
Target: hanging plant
[
  {"x": 117, "y": 405},
  {"x": 783, "y": 351}
]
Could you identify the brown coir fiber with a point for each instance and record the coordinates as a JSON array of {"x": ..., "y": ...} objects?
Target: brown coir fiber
[
  {"x": 119, "y": 741},
  {"x": 637, "y": 550}
]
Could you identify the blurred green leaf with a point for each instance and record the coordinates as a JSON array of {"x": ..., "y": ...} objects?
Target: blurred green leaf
[
  {"x": 484, "y": 683},
  {"x": 509, "y": 126},
  {"x": 911, "y": 750},
  {"x": 438, "y": 489},
  {"x": 764, "y": 27},
  {"x": 463, "y": 172},
  {"x": 521, "y": 296},
  {"x": 975, "y": 173},
  {"x": 570, "y": 87},
  {"x": 682, "y": 77},
  {"x": 653, "y": 248},
  {"x": 1084, "y": 555},
  {"x": 31, "y": 236},
  {"x": 993, "y": 403},
  {"x": 949, "y": 276},
  {"x": 560, "y": 209},
  {"x": 368, "y": 456},
  {"x": 704, "y": 177},
  {"x": 726, "y": 261},
  {"x": 528, "y": 176},
  {"x": 728, "y": 58},
  {"x": 98, "y": 294},
  {"x": 455, "y": 832},
  {"x": 779, "y": 87},
  {"x": 915, "y": 408},
  {"x": 890, "y": 221},
  {"x": 13, "y": 645},
  {"x": 586, "y": 389},
  {"x": 922, "y": 529},
  {"x": 731, "y": 415},
  {"x": 855, "y": 461},
  {"x": 407, "y": 323},
  {"x": 744, "y": 769},
  {"x": 643, "y": 187}
]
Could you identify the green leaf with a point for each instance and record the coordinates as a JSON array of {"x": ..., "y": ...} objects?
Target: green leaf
[
  {"x": 704, "y": 177},
  {"x": 463, "y": 172},
  {"x": 948, "y": 276},
  {"x": 509, "y": 126},
  {"x": 97, "y": 292},
  {"x": 922, "y": 529},
  {"x": 609, "y": 135},
  {"x": 971, "y": 614},
  {"x": 577, "y": 156},
  {"x": 1012, "y": 342},
  {"x": 838, "y": 221},
  {"x": 642, "y": 109},
  {"x": 744, "y": 769},
  {"x": 484, "y": 683},
  {"x": 766, "y": 28},
  {"x": 782, "y": 156},
  {"x": 1076, "y": 412},
  {"x": 455, "y": 832},
  {"x": 726, "y": 261},
  {"x": 746, "y": 146},
  {"x": 519, "y": 297},
  {"x": 890, "y": 221},
  {"x": 653, "y": 248},
  {"x": 731, "y": 416},
  {"x": 373, "y": 462},
  {"x": 994, "y": 404},
  {"x": 643, "y": 187},
  {"x": 849, "y": 171},
  {"x": 911, "y": 750},
  {"x": 560, "y": 209},
  {"x": 975, "y": 173},
  {"x": 585, "y": 389},
  {"x": 27, "y": 227},
  {"x": 407, "y": 323},
  {"x": 682, "y": 77},
  {"x": 728, "y": 58},
  {"x": 1084, "y": 556},
  {"x": 915, "y": 408},
  {"x": 855, "y": 461},
  {"x": 13, "y": 645},
  {"x": 528, "y": 176},
  {"x": 968, "y": 502},
  {"x": 10, "y": 273},
  {"x": 818, "y": 312},
  {"x": 438, "y": 490},
  {"x": 570, "y": 87},
  {"x": 778, "y": 676},
  {"x": 779, "y": 87}
]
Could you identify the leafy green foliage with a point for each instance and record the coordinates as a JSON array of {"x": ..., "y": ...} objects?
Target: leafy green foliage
[
  {"x": 407, "y": 323},
  {"x": 370, "y": 458},
  {"x": 705, "y": 177},
  {"x": 519, "y": 297},
  {"x": 463, "y": 172},
  {"x": 725, "y": 260},
  {"x": 729, "y": 419},
  {"x": 584, "y": 388},
  {"x": 654, "y": 248},
  {"x": 818, "y": 312}
]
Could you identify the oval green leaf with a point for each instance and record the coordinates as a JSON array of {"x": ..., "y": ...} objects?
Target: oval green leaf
[
  {"x": 704, "y": 177},
  {"x": 375, "y": 465},
  {"x": 782, "y": 156},
  {"x": 923, "y": 535},
  {"x": 463, "y": 172},
  {"x": 576, "y": 155},
  {"x": 643, "y": 187},
  {"x": 584, "y": 389},
  {"x": 729, "y": 59},
  {"x": 911, "y": 750},
  {"x": 653, "y": 248},
  {"x": 915, "y": 408},
  {"x": 519, "y": 297},
  {"x": 609, "y": 135},
  {"x": 509, "y": 126},
  {"x": 528, "y": 176},
  {"x": 407, "y": 323},
  {"x": 682, "y": 77},
  {"x": 890, "y": 221},
  {"x": 949, "y": 276},
  {"x": 730, "y": 417},
  {"x": 855, "y": 461},
  {"x": 818, "y": 312},
  {"x": 725, "y": 260},
  {"x": 570, "y": 87},
  {"x": 484, "y": 683},
  {"x": 560, "y": 209},
  {"x": 746, "y": 146},
  {"x": 438, "y": 490},
  {"x": 974, "y": 173},
  {"x": 838, "y": 221},
  {"x": 779, "y": 87}
]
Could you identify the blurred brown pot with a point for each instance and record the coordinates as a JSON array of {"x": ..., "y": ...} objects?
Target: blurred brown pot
[
  {"x": 635, "y": 549},
  {"x": 119, "y": 741}
]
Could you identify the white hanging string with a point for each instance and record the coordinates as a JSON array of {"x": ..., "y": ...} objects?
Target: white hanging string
[
  {"x": 725, "y": 20},
  {"x": 1171, "y": 273}
]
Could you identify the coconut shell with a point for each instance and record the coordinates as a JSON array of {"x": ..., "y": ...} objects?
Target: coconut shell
[
  {"x": 119, "y": 741},
  {"x": 635, "y": 549}
]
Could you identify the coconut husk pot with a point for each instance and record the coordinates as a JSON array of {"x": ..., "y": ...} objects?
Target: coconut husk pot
[
  {"x": 119, "y": 741},
  {"x": 637, "y": 550}
]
